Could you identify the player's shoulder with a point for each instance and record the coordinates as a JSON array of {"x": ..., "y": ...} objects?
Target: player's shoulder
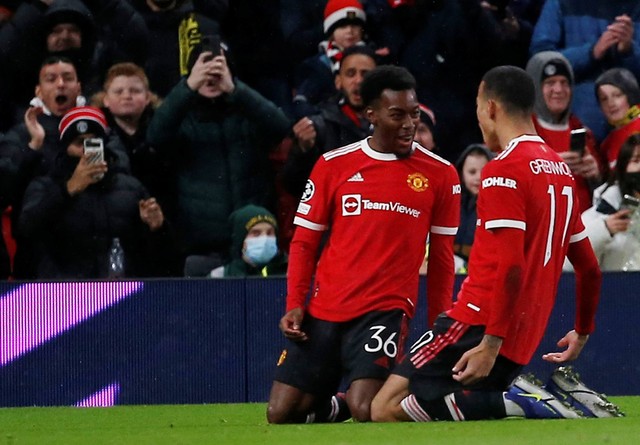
[
  {"x": 342, "y": 152},
  {"x": 428, "y": 155},
  {"x": 422, "y": 154}
]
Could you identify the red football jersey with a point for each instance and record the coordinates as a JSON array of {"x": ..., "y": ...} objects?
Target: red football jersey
[
  {"x": 526, "y": 187},
  {"x": 378, "y": 209}
]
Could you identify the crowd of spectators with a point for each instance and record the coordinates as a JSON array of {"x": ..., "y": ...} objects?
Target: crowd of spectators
[{"x": 204, "y": 132}]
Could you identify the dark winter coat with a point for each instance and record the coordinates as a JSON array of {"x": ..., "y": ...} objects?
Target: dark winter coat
[
  {"x": 221, "y": 150},
  {"x": 73, "y": 234}
]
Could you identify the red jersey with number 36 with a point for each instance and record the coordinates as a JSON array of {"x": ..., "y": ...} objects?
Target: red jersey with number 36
[
  {"x": 526, "y": 187},
  {"x": 378, "y": 209}
]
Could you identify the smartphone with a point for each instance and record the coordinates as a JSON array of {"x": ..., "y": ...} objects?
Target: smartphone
[
  {"x": 212, "y": 44},
  {"x": 578, "y": 140},
  {"x": 629, "y": 203},
  {"x": 94, "y": 150}
]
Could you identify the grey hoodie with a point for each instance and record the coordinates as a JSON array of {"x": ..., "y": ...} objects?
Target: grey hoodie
[{"x": 536, "y": 69}]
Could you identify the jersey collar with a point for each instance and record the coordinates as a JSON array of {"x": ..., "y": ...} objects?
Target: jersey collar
[{"x": 366, "y": 148}]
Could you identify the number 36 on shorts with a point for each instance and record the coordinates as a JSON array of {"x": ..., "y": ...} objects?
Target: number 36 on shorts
[{"x": 380, "y": 340}]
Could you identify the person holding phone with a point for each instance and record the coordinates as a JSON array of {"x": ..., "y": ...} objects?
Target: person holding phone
[
  {"x": 612, "y": 222},
  {"x": 73, "y": 213},
  {"x": 220, "y": 131},
  {"x": 556, "y": 123}
]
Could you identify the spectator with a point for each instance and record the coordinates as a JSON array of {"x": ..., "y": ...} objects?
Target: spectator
[
  {"x": 92, "y": 34},
  {"x": 619, "y": 97},
  {"x": 611, "y": 224},
  {"x": 554, "y": 120},
  {"x": 594, "y": 36},
  {"x": 220, "y": 132},
  {"x": 469, "y": 166},
  {"x": 254, "y": 245},
  {"x": 175, "y": 28},
  {"x": 75, "y": 212},
  {"x": 340, "y": 121},
  {"x": 32, "y": 146},
  {"x": 129, "y": 105},
  {"x": 344, "y": 22},
  {"x": 426, "y": 129}
]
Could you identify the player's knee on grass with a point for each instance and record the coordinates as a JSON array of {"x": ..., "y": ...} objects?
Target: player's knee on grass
[
  {"x": 382, "y": 410},
  {"x": 288, "y": 404},
  {"x": 276, "y": 414},
  {"x": 360, "y": 410}
]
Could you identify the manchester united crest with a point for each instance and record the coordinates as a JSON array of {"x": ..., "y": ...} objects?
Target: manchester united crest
[{"x": 417, "y": 182}]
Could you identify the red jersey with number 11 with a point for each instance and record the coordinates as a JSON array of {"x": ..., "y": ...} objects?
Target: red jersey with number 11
[{"x": 526, "y": 187}]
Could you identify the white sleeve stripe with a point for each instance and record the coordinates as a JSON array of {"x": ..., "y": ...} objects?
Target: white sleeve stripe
[
  {"x": 507, "y": 223},
  {"x": 441, "y": 230},
  {"x": 578, "y": 236},
  {"x": 308, "y": 224}
]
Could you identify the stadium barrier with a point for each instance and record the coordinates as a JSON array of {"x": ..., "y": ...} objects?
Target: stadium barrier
[{"x": 210, "y": 341}]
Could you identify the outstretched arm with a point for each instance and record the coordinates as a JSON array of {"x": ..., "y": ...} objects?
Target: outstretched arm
[{"x": 588, "y": 283}]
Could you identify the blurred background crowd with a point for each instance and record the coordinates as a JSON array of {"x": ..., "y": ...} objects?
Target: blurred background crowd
[{"x": 210, "y": 114}]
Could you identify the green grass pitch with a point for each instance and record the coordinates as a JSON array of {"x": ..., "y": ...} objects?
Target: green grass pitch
[{"x": 245, "y": 424}]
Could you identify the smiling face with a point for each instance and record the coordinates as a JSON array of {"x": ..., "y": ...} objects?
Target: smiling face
[
  {"x": 613, "y": 102},
  {"x": 556, "y": 92},
  {"x": 395, "y": 117},
  {"x": 58, "y": 87}
]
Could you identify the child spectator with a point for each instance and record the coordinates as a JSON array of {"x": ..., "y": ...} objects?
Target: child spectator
[
  {"x": 619, "y": 97},
  {"x": 469, "y": 166},
  {"x": 128, "y": 105}
]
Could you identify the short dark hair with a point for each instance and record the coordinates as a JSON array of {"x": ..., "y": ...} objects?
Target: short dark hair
[
  {"x": 363, "y": 50},
  {"x": 385, "y": 77},
  {"x": 512, "y": 87},
  {"x": 52, "y": 60}
]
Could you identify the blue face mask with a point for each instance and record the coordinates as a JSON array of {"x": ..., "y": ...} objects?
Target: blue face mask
[{"x": 261, "y": 249}]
